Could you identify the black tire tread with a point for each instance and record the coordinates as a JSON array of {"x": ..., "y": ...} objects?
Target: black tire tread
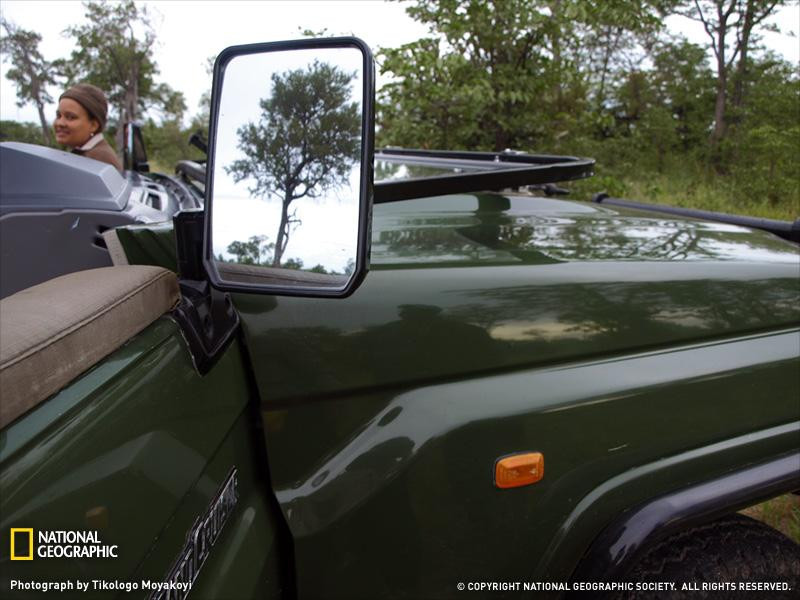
[{"x": 733, "y": 549}]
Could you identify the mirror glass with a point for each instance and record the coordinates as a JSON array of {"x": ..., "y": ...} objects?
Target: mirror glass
[{"x": 287, "y": 168}]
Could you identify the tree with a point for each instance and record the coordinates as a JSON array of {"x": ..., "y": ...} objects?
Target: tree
[
  {"x": 252, "y": 251},
  {"x": 304, "y": 143},
  {"x": 470, "y": 84},
  {"x": 731, "y": 29},
  {"x": 764, "y": 160},
  {"x": 664, "y": 112},
  {"x": 31, "y": 72},
  {"x": 115, "y": 52},
  {"x": 495, "y": 75},
  {"x": 684, "y": 85}
]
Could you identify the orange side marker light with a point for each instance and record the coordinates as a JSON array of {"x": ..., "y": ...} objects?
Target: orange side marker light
[{"x": 518, "y": 470}]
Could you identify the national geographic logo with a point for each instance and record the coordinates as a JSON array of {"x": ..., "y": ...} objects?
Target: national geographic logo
[
  {"x": 21, "y": 543},
  {"x": 58, "y": 544}
]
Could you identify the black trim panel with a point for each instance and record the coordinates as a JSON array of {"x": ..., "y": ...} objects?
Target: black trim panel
[{"x": 625, "y": 540}]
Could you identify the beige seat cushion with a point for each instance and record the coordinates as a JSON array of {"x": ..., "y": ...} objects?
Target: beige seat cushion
[{"x": 52, "y": 332}]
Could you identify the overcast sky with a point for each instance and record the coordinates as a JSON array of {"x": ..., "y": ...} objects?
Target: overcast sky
[{"x": 190, "y": 31}]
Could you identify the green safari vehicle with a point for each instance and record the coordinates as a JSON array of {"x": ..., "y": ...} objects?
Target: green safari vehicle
[{"x": 395, "y": 374}]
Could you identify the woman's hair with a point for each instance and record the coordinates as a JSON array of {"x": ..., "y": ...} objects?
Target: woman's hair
[{"x": 92, "y": 99}]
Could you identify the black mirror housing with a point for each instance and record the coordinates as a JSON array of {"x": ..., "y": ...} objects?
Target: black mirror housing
[
  {"x": 134, "y": 155},
  {"x": 289, "y": 178}
]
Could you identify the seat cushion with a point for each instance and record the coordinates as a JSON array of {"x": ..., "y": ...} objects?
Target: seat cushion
[{"x": 52, "y": 332}]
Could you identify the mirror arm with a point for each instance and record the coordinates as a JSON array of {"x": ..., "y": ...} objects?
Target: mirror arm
[
  {"x": 206, "y": 316},
  {"x": 188, "y": 225},
  {"x": 198, "y": 142}
]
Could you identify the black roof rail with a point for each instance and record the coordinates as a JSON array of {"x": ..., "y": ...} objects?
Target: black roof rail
[
  {"x": 481, "y": 171},
  {"x": 785, "y": 229}
]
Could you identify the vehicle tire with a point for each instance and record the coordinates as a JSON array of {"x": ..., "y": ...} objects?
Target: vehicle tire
[{"x": 732, "y": 550}]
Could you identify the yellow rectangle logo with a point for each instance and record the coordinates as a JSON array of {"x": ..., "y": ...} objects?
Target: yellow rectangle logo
[{"x": 21, "y": 531}]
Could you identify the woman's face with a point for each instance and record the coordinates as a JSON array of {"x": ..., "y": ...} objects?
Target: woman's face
[{"x": 73, "y": 125}]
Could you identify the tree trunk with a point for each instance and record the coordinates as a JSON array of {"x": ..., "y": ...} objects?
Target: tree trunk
[
  {"x": 555, "y": 8},
  {"x": 720, "y": 125},
  {"x": 500, "y": 138},
  {"x": 46, "y": 132},
  {"x": 130, "y": 103},
  {"x": 283, "y": 234},
  {"x": 119, "y": 136},
  {"x": 721, "y": 104},
  {"x": 601, "y": 92},
  {"x": 741, "y": 67},
  {"x": 132, "y": 93},
  {"x": 36, "y": 89}
]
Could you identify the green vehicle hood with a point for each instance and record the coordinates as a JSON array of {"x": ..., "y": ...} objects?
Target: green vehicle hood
[
  {"x": 490, "y": 229},
  {"x": 464, "y": 285}
]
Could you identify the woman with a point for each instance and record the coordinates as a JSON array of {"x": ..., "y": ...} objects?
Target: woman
[{"x": 80, "y": 119}]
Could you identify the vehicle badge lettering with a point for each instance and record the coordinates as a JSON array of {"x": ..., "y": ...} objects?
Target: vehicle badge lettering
[{"x": 199, "y": 541}]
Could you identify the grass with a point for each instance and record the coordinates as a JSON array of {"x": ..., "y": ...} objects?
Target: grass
[
  {"x": 158, "y": 167},
  {"x": 706, "y": 195},
  {"x": 691, "y": 190},
  {"x": 781, "y": 513}
]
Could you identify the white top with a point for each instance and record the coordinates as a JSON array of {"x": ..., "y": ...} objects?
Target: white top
[{"x": 93, "y": 141}]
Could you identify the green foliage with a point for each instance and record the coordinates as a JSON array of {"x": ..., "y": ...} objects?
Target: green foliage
[
  {"x": 762, "y": 148},
  {"x": 768, "y": 165},
  {"x": 297, "y": 265},
  {"x": 601, "y": 79},
  {"x": 436, "y": 104},
  {"x": 167, "y": 143},
  {"x": 293, "y": 263},
  {"x": 684, "y": 84},
  {"x": 13, "y": 131},
  {"x": 253, "y": 251},
  {"x": 305, "y": 141},
  {"x": 661, "y": 114},
  {"x": 475, "y": 83},
  {"x": 496, "y": 75}
]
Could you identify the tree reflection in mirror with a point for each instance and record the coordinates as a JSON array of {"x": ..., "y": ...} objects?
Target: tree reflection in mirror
[{"x": 287, "y": 168}]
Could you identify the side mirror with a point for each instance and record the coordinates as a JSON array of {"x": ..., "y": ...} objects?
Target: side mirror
[{"x": 289, "y": 173}]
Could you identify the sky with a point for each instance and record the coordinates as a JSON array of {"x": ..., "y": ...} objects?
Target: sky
[
  {"x": 241, "y": 214},
  {"x": 190, "y": 31}
]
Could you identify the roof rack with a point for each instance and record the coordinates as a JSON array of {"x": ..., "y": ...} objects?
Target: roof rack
[
  {"x": 787, "y": 230},
  {"x": 475, "y": 171}
]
